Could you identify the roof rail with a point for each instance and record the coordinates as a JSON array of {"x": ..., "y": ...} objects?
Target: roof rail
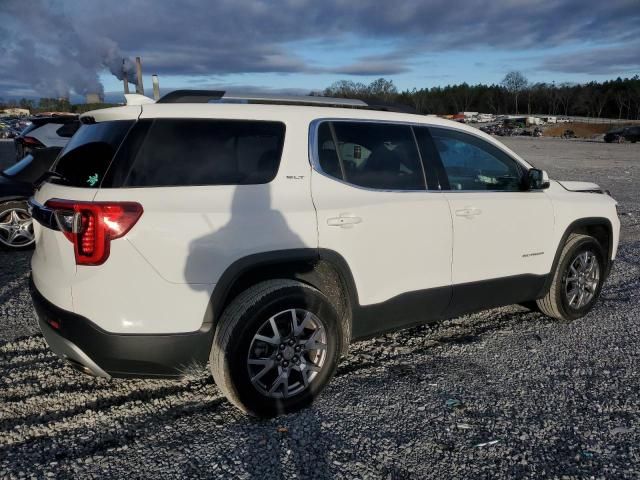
[
  {"x": 191, "y": 96},
  {"x": 206, "y": 96},
  {"x": 219, "y": 96}
]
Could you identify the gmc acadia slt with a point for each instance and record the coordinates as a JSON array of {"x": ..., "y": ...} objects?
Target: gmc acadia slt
[{"x": 264, "y": 234}]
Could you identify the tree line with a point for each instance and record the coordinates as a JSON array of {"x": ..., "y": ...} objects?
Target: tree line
[
  {"x": 53, "y": 105},
  {"x": 619, "y": 98}
]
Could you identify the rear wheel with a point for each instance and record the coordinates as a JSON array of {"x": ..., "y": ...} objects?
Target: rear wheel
[
  {"x": 276, "y": 347},
  {"x": 577, "y": 280},
  {"x": 16, "y": 226}
]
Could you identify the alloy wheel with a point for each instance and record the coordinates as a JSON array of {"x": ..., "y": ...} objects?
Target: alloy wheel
[
  {"x": 287, "y": 352},
  {"x": 582, "y": 279},
  {"x": 16, "y": 228}
]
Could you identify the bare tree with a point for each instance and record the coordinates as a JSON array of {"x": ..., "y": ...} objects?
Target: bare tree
[
  {"x": 565, "y": 92},
  {"x": 515, "y": 82},
  {"x": 383, "y": 89},
  {"x": 491, "y": 101},
  {"x": 621, "y": 101},
  {"x": 600, "y": 99},
  {"x": 420, "y": 100},
  {"x": 346, "y": 88}
]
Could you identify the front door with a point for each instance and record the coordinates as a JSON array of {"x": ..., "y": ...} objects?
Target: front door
[{"x": 502, "y": 235}]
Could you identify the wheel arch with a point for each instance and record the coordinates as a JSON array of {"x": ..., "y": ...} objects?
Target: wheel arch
[
  {"x": 598, "y": 227},
  {"x": 323, "y": 269}
]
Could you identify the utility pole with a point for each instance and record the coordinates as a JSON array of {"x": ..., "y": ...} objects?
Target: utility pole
[{"x": 139, "y": 86}]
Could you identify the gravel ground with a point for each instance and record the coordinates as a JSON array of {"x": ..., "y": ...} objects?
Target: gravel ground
[{"x": 502, "y": 394}]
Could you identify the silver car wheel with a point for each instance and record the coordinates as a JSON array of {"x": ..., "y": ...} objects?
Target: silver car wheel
[
  {"x": 287, "y": 353},
  {"x": 16, "y": 228},
  {"x": 582, "y": 279}
]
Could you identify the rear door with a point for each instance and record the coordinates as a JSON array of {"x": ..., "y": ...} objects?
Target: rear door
[
  {"x": 502, "y": 235},
  {"x": 214, "y": 190},
  {"x": 374, "y": 210}
]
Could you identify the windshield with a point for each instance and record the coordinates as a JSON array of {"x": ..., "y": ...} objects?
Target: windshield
[{"x": 88, "y": 154}]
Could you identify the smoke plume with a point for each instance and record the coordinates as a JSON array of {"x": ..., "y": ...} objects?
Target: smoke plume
[{"x": 46, "y": 54}]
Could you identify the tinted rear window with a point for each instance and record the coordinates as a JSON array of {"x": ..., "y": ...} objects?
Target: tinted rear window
[
  {"x": 181, "y": 152},
  {"x": 88, "y": 154},
  {"x": 68, "y": 130}
]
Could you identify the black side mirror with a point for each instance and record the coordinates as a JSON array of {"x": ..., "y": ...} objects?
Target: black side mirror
[{"x": 536, "y": 180}]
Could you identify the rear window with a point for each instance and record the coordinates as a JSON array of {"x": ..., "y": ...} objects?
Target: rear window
[
  {"x": 183, "y": 152},
  {"x": 88, "y": 154},
  {"x": 67, "y": 130}
]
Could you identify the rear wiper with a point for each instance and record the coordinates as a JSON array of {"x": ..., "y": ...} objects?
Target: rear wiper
[{"x": 47, "y": 175}]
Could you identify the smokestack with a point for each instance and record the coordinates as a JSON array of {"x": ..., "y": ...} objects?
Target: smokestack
[
  {"x": 139, "y": 87},
  {"x": 125, "y": 78},
  {"x": 156, "y": 87}
]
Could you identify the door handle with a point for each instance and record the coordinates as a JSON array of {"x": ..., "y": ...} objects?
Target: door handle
[
  {"x": 468, "y": 212},
  {"x": 344, "y": 221}
]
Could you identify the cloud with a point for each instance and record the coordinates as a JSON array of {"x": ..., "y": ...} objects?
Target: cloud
[
  {"x": 367, "y": 68},
  {"x": 57, "y": 46},
  {"x": 597, "y": 61},
  {"x": 383, "y": 64}
]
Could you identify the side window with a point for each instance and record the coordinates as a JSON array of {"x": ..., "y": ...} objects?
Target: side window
[
  {"x": 182, "y": 152},
  {"x": 470, "y": 163},
  {"x": 372, "y": 155},
  {"x": 327, "y": 153}
]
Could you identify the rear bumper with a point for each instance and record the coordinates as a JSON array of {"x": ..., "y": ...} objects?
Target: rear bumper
[{"x": 95, "y": 351}]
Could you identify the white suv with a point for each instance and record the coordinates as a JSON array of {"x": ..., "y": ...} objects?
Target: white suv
[{"x": 265, "y": 234}]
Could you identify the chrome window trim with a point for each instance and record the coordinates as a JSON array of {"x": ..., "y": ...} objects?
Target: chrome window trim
[{"x": 314, "y": 125}]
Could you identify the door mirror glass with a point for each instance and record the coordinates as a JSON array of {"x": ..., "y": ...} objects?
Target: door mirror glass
[{"x": 537, "y": 179}]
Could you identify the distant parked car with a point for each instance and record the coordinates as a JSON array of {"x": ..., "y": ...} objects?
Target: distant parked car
[
  {"x": 629, "y": 134},
  {"x": 16, "y": 186},
  {"x": 46, "y": 132},
  {"x": 7, "y": 132}
]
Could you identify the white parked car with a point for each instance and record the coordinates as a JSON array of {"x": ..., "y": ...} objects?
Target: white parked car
[
  {"x": 45, "y": 132},
  {"x": 264, "y": 234}
]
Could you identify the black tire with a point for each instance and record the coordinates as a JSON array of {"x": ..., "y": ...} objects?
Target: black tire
[
  {"x": 530, "y": 305},
  {"x": 555, "y": 303},
  {"x": 243, "y": 319},
  {"x": 21, "y": 207}
]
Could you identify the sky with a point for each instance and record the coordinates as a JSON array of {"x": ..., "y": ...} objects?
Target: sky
[{"x": 51, "y": 48}]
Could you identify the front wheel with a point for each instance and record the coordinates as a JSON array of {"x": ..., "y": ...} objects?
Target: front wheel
[
  {"x": 16, "y": 226},
  {"x": 276, "y": 347},
  {"x": 577, "y": 280}
]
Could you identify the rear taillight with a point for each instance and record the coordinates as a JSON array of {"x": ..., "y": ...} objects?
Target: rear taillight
[
  {"x": 91, "y": 226},
  {"x": 32, "y": 142}
]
